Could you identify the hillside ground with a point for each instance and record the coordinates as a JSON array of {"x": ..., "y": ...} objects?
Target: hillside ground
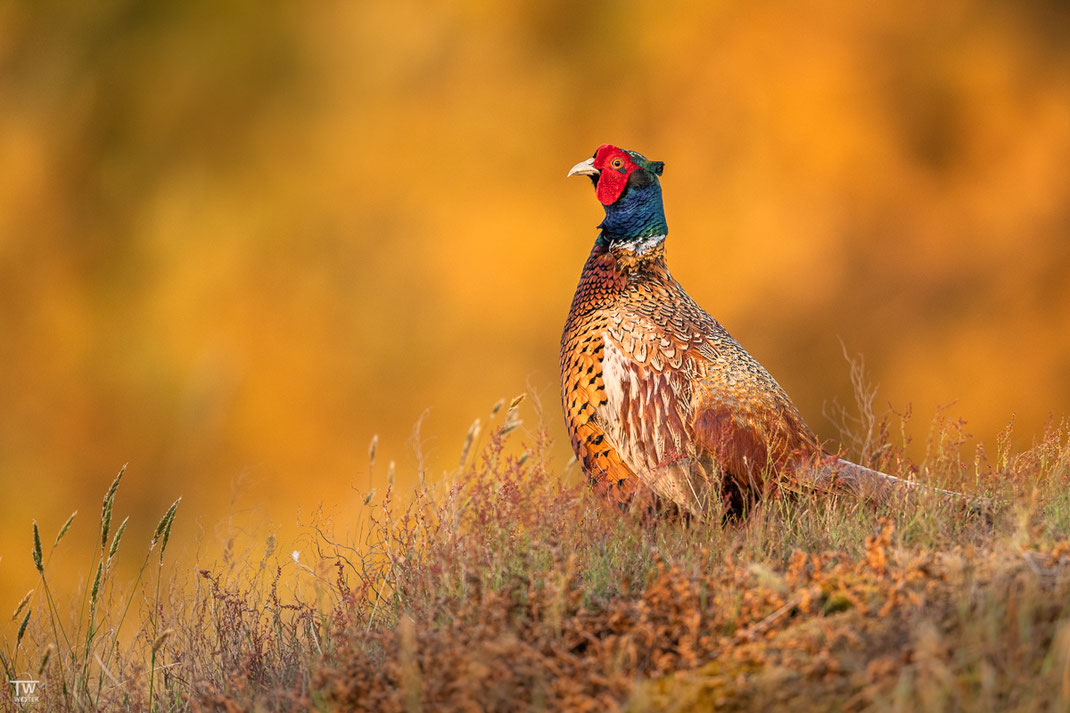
[{"x": 505, "y": 588}]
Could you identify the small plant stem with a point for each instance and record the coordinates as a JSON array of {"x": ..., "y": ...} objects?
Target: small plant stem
[
  {"x": 52, "y": 617},
  {"x": 155, "y": 634},
  {"x": 129, "y": 601}
]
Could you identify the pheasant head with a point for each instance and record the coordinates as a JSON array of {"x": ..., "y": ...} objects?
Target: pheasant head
[{"x": 627, "y": 186}]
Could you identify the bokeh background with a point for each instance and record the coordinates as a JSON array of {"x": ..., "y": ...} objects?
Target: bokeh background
[{"x": 238, "y": 239}]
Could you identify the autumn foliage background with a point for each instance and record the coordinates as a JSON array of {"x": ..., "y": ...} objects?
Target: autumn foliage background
[{"x": 239, "y": 239}]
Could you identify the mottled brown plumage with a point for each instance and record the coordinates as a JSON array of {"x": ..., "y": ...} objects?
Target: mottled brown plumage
[{"x": 659, "y": 399}]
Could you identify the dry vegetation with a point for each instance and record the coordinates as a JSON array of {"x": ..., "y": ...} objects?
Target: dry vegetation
[{"x": 508, "y": 589}]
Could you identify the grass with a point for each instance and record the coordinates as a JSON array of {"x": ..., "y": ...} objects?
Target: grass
[
  {"x": 504, "y": 588},
  {"x": 79, "y": 650}
]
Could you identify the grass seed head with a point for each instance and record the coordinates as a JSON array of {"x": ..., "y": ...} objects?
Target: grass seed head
[
  {"x": 512, "y": 417},
  {"x": 22, "y": 627},
  {"x": 105, "y": 508},
  {"x": 469, "y": 439},
  {"x": 96, "y": 585},
  {"x": 115, "y": 542},
  {"x": 105, "y": 524},
  {"x": 161, "y": 639},
  {"x": 269, "y": 548},
  {"x": 169, "y": 517},
  {"x": 63, "y": 530},
  {"x": 22, "y": 604},
  {"x": 38, "y": 559},
  {"x": 115, "y": 483},
  {"x": 163, "y": 527},
  {"x": 44, "y": 658}
]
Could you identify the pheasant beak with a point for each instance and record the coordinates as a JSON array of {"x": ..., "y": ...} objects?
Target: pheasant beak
[{"x": 584, "y": 168}]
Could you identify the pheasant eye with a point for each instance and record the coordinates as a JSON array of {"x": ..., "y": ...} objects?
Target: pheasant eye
[{"x": 617, "y": 163}]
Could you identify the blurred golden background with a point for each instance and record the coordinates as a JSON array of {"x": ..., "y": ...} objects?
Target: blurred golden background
[{"x": 238, "y": 239}]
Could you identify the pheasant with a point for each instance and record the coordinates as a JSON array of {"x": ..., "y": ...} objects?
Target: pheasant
[{"x": 659, "y": 399}]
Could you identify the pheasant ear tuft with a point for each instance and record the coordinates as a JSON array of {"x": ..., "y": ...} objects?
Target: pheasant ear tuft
[{"x": 656, "y": 167}]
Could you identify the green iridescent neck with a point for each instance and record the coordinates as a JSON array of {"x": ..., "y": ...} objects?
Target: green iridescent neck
[{"x": 636, "y": 215}]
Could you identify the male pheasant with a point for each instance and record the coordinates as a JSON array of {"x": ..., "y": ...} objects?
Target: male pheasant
[{"x": 659, "y": 399}]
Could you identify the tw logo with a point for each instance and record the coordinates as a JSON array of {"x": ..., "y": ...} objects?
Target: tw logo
[{"x": 25, "y": 690}]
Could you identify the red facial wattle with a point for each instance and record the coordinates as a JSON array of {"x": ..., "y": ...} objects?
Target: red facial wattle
[{"x": 615, "y": 166}]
